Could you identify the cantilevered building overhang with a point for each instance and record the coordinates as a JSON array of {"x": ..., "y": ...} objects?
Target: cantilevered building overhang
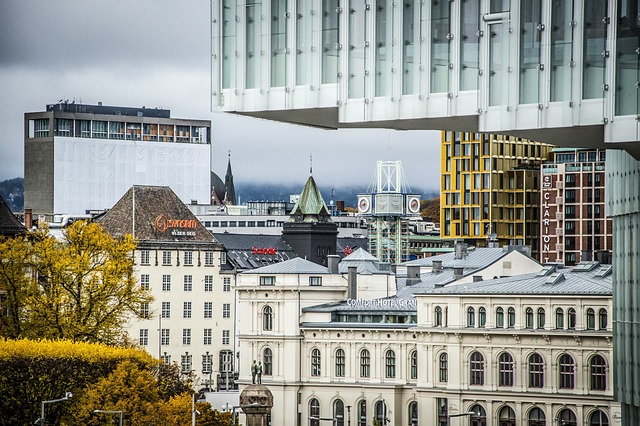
[{"x": 561, "y": 71}]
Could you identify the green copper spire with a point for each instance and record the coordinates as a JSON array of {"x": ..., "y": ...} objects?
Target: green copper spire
[{"x": 310, "y": 206}]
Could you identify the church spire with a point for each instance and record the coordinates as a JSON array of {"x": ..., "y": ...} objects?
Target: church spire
[{"x": 230, "y": 191}]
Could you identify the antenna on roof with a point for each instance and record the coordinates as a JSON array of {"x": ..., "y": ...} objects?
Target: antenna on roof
[{"x": 310, "y": 164}]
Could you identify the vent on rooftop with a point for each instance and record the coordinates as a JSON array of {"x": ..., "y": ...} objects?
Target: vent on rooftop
[{"x": 555, "y": 278}]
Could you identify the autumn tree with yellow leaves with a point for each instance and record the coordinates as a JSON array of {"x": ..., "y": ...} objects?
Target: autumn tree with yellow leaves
[{"x": 80, "y": 286}]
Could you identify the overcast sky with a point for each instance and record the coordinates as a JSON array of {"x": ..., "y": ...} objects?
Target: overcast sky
[{"x": 156, "y": 53}]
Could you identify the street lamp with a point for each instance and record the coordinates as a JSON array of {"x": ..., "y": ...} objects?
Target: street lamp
[
  {"x": 209, "y": 368},
  {"x": 348, "y": 415},
  {"x": 470, "y": 413},
  {"x": 66, "y": 396},
  {"x": 118, "y": 412}
]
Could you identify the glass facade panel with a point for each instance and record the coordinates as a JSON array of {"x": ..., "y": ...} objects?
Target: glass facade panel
[
  {"x": 357, "y": 50},
  {"x": 627, "y": 59},
  {"x": 330, "y": 41},
  {"x": 279, "y": 43},
  {"x": 595, "y": 36},
  {"x": 384, "y": 48},
  {"x": 440, "y": 35},
  {"x": 253, "y": 56},
  {"x": 530, "y": 21},
  {"x": 469, "y": 44},
  {"x": 228, "y": 43},
  {"x": 304, "y": 37},
  {"x": 561, "y": 41},
  {"x": 498, "y": 64},
  {"x": 411, "y": 30}
]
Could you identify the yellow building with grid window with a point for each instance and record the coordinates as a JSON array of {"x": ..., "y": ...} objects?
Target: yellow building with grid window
[{"x": 490, "y": 184}]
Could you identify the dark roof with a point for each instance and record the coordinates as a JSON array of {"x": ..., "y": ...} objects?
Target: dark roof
[
  {"x": 240, "y": 249},
  {"x": 109, "y": 110},
  {"x": 154, "y": 213},
  {"x": 353, "y": 243},
  {"x": 9, "y": 224}
]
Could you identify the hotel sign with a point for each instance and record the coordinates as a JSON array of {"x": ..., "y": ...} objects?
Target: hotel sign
[
  {"x": 383, "y": 303},
  {"x": 178, "y": 227},
  {"x": 546, "y": 238}
]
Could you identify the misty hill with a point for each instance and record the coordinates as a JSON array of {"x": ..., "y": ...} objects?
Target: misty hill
[{"x": 12, "y": 190}]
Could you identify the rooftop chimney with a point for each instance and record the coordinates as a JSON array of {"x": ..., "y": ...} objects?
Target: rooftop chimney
[
  {"x": 458, "y": 273},
  {"x": 28, "y": 219},
  {"x": 436, "y": 266},
  {"x": 461, "y": 250},
  {"x": 352, "y": 277},
  {"x": 332, "y": 263},
  {"x": 413, "y": 274}
]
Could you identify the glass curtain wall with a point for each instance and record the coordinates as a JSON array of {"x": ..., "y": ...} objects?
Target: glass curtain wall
[
  {"x": 440, "y": 36},
  {"x": 594, "y": 58},
  {"x": 228, "y": 43},
  {"x": 411, "y": 58},
  {"x": 253, "y": 62},
  {"x": 330, "y": 41},
  {"x": 384, "y": 47},
  {"x": 561, "y": 52},
  {"x": 628, "y": 58},
  {"x": 304, "y": 42},
  {"x": 498, "y": 63},
  {"x": 279, "y": 41},
  {"x": 530, "y": 35},
  {"x": 357, "y": 48},
  {"x": 469, "y": 44}
]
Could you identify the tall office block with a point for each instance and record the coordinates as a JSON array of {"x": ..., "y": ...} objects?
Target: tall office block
[
  {"x": 490, "y": 188},
  {"x": 85, "y": 157}
]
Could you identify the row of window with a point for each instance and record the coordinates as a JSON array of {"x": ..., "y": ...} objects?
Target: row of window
[
  {"x": 538, "y": 320},
  {"x": 165, "y": 336},
  {"x": 187, "y": 258},
  {"x": 506, "y": 415},
  {"x": 187, "y": 283},
  {"x": 186, "y": 365},
  {"x": 271, "y": 280},
  {"x": 187, "y": 310}
]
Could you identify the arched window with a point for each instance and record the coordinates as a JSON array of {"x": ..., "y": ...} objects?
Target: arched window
[
  {"x": 499, "y": 318},
  {"x": 365, "y": 363},
  {"x": 338, "y": 412},
  {"x": 444, "y": 367},
  {"x": 598, "y": 418},
  {"x": 529, "y": 318},
  {"x": 602, "y": 319},
  {"x": 598, "y": 373},
  {"x": 314, "y": 412},
  {"x": 536, "y": 371},
  {"x": 512, "y": 318},
  {"x": 438, "y": 319},
  {"x": 567, "y": 372},
  {"x": 537, "y": 417},
  {"x": 413, "y": 413},
  {"x": 571, "y": 319},
  {"x": 267, "y": 362},
  {"x": 505, "y": 367},
  {"x": 482, "y": 317},
  {"x": 413, "y": 359},
  {"x": 480, "y": 419},
  {"x": 476, "y": 369},
  {"x": 315, "y": 362},
  {"x": 567, "y": 418},
  {"x": 267, "y": 318},
  {"x": 340, "y": 363},
  {"x": 541, "y": 318},
  {"x": 507, "y": 417},
  {"x": 381, "y": 412},
  {"x": 591, "y": 319},
  {"x": 559, "y": 319},
  {"x": 390, "y": 364},
  {"x": 362, "y": 413},
  {"x": 471, "y": 317}
]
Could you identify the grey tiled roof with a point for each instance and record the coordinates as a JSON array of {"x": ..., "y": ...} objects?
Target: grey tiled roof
[
  {"x": 240, "y": 249},
  {"x": 475, "y": 259},
  {"x": 364, "y": 261},
  {"x": 291, "y": 266}
]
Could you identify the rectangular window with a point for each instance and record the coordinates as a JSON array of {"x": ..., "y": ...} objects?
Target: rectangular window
[
  {"x": 144, "y": 310},
  {"x": 207, "y": 336},
  {"x": 225, "y": 337},
  {"x": 267, "y": 280},
  {"x": 315, "y": 280},
  {"x": 164, "y": 337},
  {"x": 208, "y": 258},
  {"x": 226, "y": 310},
  {"x": 186, "y": 310},
  {"x": 186, "y": 364},
  {"x": 166, "y": 283},
  {"x": 223, "y": 258},
  {"x": 144, "y": 336},
  {"x": 208, "y": 283},
  {"x": 144, "y": 257},
  {"x": 166, "y": 258},
  {"x": 188, "y": 283},
  {"x": 208, "y": 309},
  {"x": 226, "y": 284},
  {"x": 166, "y": 309},
  {"x": 188, "y": 258},
  {"x": 144, "y": 281},
  {"x": 186, "y": 336},
  {"x": 40, "y": 128}
]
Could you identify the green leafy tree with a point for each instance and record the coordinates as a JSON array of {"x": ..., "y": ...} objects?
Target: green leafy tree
[{"x": 79, "y": 287}]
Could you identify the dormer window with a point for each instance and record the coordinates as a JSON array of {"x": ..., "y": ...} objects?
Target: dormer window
[
  {"x": 267, "y": 280},
  {"x": 315, "y": 280}
]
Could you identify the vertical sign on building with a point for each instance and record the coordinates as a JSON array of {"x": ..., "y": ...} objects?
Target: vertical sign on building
[{"x": 546, "y": 238}]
